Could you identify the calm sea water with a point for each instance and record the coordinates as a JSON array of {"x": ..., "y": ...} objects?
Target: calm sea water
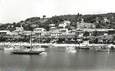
[{"x": 58, "y": 60}]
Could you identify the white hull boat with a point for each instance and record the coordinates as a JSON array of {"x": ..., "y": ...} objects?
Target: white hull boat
[{"x": 71, "y": 50}]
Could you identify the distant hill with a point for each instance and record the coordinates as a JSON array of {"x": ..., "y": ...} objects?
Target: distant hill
[{"x": 44, "y": 22}]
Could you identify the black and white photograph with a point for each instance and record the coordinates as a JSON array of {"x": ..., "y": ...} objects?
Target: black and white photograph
[{"x": 57, "y": 35}]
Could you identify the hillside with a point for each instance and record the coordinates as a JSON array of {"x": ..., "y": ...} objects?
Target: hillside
[{"x": 44, "y": 22}]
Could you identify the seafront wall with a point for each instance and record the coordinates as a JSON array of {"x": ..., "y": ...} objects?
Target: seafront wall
[
  {"x": 22, "y": 43},
  {"x": 28, "y": 44},
  {"x": 50, "y": 44}
]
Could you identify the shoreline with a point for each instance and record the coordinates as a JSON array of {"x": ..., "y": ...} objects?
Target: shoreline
[{"x": 49, "y": 44}]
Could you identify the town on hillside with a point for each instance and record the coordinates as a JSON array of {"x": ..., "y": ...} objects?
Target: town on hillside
[{"x": 66, "y": 29}]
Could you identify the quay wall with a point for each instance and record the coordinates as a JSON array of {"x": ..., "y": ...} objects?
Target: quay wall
[{"x": 54, "y": 44}]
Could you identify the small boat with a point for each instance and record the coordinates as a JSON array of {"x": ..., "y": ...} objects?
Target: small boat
[
  {"x": 102, "y": 49},
  {"x": 84, "y": 45},
  {"x": 71, "y": 49},
  {"x": 8, "y": 48}
]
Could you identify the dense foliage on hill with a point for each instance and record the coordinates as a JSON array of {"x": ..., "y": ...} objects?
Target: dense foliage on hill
[{"x": 44, "y": 22}]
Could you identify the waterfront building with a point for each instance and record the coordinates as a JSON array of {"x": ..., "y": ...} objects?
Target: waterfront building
[
  {"x": 5, "y": 32},
  {"x": 105, "y": 39},
  {"x": 14, "y": 33},
  {"x": 101, "y": 35}
]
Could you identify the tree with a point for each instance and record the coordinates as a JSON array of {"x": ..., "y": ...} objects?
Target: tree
[{"x": 44, "y": 16}]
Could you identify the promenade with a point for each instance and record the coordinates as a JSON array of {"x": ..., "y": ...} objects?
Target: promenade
[{"x": 54, "y": 44}]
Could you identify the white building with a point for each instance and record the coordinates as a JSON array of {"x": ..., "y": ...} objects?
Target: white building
[
  {"x": 5, "y": 32},
  {"x": 63, "y": 31},
  {"x": 58, "y": 32},
  {"x": 19, "y": 29},
  {"x": 64, "y": 24},
  {"x": 105, "y": 20},
  {"x": 39, "y": 30},
  {"x": 27, "y": 33},
  {"x": 52, "y": 26}
]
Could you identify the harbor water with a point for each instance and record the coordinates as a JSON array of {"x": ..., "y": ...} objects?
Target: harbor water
[{"x": 57, "y": 59}]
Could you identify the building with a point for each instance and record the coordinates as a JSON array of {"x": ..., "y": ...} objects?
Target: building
[
  {"x": 36, "y": 30},
  {"x": 19, "y": 30},
  {"x": 64, "y": 24},
  {"x": 27, "y": 33},
  {"x": 95, "y": 32},
  {"x": 39, "y": 31},
  {"x": 57, "y": 32},
  {"x": 52, "y": 26},
  {"x": 106, "y": 20},
  {"x": 5, "y": 32},
  {"x": 63, "y": 30},
  {"x": 54, "y": 33}
]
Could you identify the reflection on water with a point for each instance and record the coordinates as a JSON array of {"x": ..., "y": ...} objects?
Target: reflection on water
[{"x": 58, "y": 60}]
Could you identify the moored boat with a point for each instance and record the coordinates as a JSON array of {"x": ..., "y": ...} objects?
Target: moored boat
[
  {"x": 71, "y": 49},
  {"x": 29, "y": 50},
  {"x": 100, "y": 48},
  {"x": 8, "y": 48}
]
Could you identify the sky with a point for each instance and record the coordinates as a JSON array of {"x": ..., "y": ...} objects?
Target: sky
[{"x": 17, "y": 10}]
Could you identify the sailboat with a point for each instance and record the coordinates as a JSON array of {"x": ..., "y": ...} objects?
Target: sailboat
[{"x": 30, "y": 50}]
